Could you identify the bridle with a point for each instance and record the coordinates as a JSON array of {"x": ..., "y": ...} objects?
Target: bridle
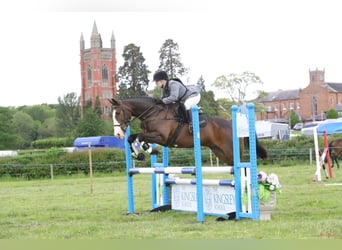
[{"x": 126, "y": 121}]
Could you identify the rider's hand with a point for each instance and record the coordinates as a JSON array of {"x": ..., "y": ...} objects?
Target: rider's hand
[{"x": 158, "y": 101}]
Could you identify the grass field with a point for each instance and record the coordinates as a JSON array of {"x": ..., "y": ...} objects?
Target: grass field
[{"x": 64, "y": 208}]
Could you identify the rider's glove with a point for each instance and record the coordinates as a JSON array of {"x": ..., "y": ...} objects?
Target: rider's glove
[{"x": 158, "y": 101}]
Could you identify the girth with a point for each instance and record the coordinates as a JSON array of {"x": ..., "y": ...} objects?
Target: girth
[{"x": 172, "y": 140}]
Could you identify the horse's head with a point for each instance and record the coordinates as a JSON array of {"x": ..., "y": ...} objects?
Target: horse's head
[{"x": 121, "y": 117}]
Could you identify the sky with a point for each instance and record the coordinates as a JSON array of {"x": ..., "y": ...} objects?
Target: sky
[{"x": 280, "y": 41}]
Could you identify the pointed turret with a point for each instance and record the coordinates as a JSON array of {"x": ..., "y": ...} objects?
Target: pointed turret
[
  {"x": 81, "y": 42},
  {"x": 95, "y": 39},
  {"x": 112, "y": 41}
]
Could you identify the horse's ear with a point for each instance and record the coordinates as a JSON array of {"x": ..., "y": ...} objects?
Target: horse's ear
[{"x": 114, "y": 102}]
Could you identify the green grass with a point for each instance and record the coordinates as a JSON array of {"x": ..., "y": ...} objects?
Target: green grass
[{"x": 64, "y": 208}]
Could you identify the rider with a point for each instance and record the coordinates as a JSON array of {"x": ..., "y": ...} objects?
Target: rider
[{"x": 175, "y": 91}]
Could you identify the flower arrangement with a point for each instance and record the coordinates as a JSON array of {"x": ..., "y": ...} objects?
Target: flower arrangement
[{"x": 266, "y": 185}]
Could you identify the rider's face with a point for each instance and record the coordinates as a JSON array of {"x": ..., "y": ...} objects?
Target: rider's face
[{"x": 160, "y": 83}]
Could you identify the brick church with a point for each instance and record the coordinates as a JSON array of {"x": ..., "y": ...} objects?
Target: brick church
[
  {"x": 310, "y": 103},
  {"x": 98, "y": 70}
]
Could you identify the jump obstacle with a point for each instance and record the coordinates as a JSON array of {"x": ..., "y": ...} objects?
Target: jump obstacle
[
  {"x": 205, "y": 196},
  {"x": 320, "y": 157}
]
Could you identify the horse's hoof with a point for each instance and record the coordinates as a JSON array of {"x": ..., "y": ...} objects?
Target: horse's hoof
[
  {"x": 141, "y": 157},
  {"x": 155, "y": 151}
]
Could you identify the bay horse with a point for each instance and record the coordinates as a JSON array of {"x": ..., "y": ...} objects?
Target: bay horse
[
  {"x": 162, "y": 124},
  {"x": 335, "y": 151}
]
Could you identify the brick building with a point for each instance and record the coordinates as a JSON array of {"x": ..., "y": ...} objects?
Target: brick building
[
  {"x": 310, "y": 103},
  {"x": 98, "y": 70}
]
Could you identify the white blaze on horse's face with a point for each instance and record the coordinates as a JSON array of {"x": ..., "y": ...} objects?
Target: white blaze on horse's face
[{"x": 118, "y": 132}]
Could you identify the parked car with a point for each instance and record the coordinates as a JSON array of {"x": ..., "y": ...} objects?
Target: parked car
[
  {"x": 298, "y": 126},
  {"x": 308, "y": 129}
]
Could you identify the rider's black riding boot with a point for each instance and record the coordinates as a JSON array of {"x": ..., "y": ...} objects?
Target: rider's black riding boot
[{"x": 189, "y": 119}]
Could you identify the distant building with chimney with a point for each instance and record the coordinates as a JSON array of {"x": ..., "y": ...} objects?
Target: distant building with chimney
[
  {"x": 310, "y": 103},
  {"x": 98, "y": 70}
]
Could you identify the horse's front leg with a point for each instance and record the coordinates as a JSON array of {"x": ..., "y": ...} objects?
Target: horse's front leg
[
  {"x": 145, "y": 139},
  {"x": 141, "y": 139},
  {"x": 134, "y": 150}
]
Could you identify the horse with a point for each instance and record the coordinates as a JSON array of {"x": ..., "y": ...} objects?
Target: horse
[
  {"x": 163, "y": 124},
  {"x": 335, "y": 151}
]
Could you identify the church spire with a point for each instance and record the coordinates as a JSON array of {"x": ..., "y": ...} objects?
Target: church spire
[
  {"x": 112, "y": 41},
  {"x": 95, "y": 40},
  {"x": 82, "y": 42}
]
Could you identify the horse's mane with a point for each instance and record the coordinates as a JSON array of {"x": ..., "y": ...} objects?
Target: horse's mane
[
  {"x": 147, "y": 98},
  {"x": 138, "y": 97}
]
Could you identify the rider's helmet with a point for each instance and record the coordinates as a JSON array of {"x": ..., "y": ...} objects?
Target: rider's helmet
[{"x": 160, "y": 75}]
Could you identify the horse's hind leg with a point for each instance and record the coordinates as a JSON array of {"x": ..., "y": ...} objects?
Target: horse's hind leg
[{"x": 338, "y": 156}]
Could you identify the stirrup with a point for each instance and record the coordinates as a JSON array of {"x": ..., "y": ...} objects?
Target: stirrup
[{"x": 190, "y": 128}]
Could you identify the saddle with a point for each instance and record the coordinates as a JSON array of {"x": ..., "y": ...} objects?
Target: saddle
[{"x": 180, "y": 113}]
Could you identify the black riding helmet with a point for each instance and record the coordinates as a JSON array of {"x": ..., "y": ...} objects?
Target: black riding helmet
[{"x": 160, "y": 75}]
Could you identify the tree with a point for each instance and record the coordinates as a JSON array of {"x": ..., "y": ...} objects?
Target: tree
[
  {"x": 91, "y": 124},
  {"x": 39, "y": 112},
  {"x": 8, "y": 137},
  {"x": 332, "y": 114},
  {"x": 133, "y": 75},
  {"x": 47, "y": 129},
  {"x": 97, "y": 108},
  {"x": 225, "y": 108},
  {"x": 25, "y": 128},
  {"x": 236, "y": 85},
  {"x": 170, "y": 60},
  {"x": 208, "y": 103},
  {"x": 293, "y": 119},
  {"x": 67, "y": 114}
]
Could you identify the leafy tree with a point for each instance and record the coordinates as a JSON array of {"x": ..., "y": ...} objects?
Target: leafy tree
[
  {"x": 225, "y": 108},
  {"x": 294, "y": 118},
  {"x": 236, "y": 85},
  {"x": 47, "y": 128},
  {"x": 25, "y": 128},
  {"x": 8, "y": 137},
  {"x": 157, "y": 93},
  {"x": 208, "y": 103},
  {"x": 133, "y": 75},
  {"x": 170, "y": 60},
  {"x": 91, "y": 124},
  {"x": 332, "y": 114},
  {"x": 39, "y": 112},
  {"x": 67, "y": 114},
  {"x": 97, "y": 108}
]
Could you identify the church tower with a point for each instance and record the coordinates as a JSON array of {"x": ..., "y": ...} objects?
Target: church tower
[{"x": 98, "y": 70}]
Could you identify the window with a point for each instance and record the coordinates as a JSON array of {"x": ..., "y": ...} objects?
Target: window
[
  {"x": 106, "y": 95},
  {"x": 89, "y": 76},
  {"x": 106, "y": 110},
  {"x": 87, "y": 96},
  {"x": 104, "y": 75}
]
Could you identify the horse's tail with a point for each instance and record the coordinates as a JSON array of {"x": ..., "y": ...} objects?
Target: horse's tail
[
  {"x": 260, "y": 150},
  {"x": 330, "y": 149}
]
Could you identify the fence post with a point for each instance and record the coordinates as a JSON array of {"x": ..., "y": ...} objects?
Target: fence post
[
  {"x": 90, "y": 168},
  {"x": 51, "y": 171}
]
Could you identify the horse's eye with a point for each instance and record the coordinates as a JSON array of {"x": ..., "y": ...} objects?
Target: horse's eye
[{"x": 117, "y": 112}]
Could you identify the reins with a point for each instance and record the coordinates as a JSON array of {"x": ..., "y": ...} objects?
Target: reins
[{"x": 140, "y": 116}]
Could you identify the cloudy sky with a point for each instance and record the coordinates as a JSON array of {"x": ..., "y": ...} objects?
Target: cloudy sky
[{"x": 280, "y": 41}]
